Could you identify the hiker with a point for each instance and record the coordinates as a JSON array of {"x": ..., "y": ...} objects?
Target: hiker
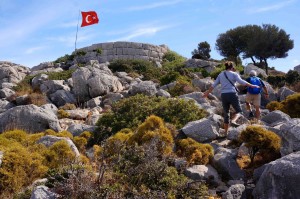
[
  {"x": 254, "y": 94},
  {"x": 229, "y": 94}
]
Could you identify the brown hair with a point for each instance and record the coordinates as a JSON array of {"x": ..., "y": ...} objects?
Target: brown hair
[{"x": 229, "y": 65}]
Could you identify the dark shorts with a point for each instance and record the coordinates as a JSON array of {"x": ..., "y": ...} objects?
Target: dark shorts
[{"x": 227, "y": 100}]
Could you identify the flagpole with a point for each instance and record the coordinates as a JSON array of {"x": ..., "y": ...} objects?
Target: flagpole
[{"x": 76, "y": 36}]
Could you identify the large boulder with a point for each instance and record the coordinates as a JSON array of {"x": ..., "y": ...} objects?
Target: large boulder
[
  {"x": 144, "y": 87},
  {"x": 224, "y": 161},
  {"x": 201, "y": 130},
  {"x": 61, "y": 97},
  {"x": 5, "y": 105},
  {"x": 209, "y": 66},
  {"x": 42, "y": 192},
  {"x": 259, "y": 71},
  {"x": 12, "y": 73},
  {"x": 90, "y": 82},
  {"x": 280, "y": 179},
  {"x": 30, "y": 118},
  {"x": 290, "y": 137},
  {"x": 275, "y": 117},
  {"x": 202, "y": 172},
  {"x": 284, "y": 92}
]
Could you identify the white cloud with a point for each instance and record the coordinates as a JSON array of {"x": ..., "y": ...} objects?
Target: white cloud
[
  {"x": 34, "y": 49},
  {"x": 296, "y": 62},
  {"x": 69, "y": 40},
  {"x": 272, "y": 7},
  {"x": 70, "y": 24},
  {"x": 142, "y": 31},
  {"x": 153, "y": 5}
]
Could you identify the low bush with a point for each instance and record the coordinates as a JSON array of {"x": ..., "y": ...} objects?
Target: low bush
[
  {"x": 276, "y": 81},
  {"x": 62, "y": 75},
  {"x": 62, "y": 114},
  {"x": 68, "y": 106},
  {"x": 193, "y": 151},
  {"x": 182, "y": 87},
  {"x": 274, "y": 105},
  {"x": 258, "y": 139},
  {"x": 290, "y": 106},
  {"x": 117, "y": 141},
  {"x": 154, "y": 128},
  {"x": 142, "y": 67},
  {"x": 37, "y": 98},
  {"x": 64, "y": 59},
  {"x": 131, "y": 112}
]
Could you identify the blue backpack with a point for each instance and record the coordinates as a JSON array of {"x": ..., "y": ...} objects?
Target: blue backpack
[{"x": 254, "y": 81}]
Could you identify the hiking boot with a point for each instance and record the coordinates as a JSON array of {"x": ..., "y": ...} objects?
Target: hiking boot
[{"x": 251, "y": 114}]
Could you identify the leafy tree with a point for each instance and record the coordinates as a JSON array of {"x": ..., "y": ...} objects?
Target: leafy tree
[
  {"x": 230, "y": 44},
  {"x": 255, "y": 42},
  {"x": 292, "y": 77},
  {"x": 202, "y": 52}
]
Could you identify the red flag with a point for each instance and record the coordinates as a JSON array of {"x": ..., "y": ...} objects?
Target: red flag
[{"x": 89, "y": 18}]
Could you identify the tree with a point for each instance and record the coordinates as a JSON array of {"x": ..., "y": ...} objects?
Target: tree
[
  {"x": 231, "y": 44},
  {"x": 202, "y": 52},
  {"x": 258, "y": 43}
]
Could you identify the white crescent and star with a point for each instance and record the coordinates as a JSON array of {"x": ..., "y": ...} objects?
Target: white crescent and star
[{"x": 87, "y": 19}]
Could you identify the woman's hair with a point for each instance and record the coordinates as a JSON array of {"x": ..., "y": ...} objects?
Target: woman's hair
[{"x": 229, "y": 65}]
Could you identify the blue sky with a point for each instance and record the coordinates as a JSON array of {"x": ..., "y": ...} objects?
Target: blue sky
[{"x": 36, "y": 31}]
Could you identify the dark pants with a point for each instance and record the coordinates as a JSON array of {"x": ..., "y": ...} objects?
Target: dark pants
[{"x": 227, "y": 100}]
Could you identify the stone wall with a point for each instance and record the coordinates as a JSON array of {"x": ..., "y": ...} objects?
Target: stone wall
[{"x": 122, "y": 50}]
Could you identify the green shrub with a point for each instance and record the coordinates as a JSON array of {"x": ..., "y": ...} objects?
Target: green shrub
[
  {"x": 142, "y": 173},
  {"x": 173, "y": 62},
  {"x": 19, "y": 168},
  {"x": 142, "y": 67},
  {"x": 22, "y": 161},
  {"x": 98, "y": 51},
  {"x": 131, "y": 112},
  {"x": 65, "y": 134},
  {"x": 68, "y": 106},
  {"x": 193, "y": 151},
  {"x": 260, "y": 139},
  {"x": 171, "y": 56},
  {"x": 217, "y": 71},
  {"x": 291, "y": 105},
  {"x": 169, "y": 77},
  {"x": 62, "y": 114},
  {"x": 154, "y": 128},
  {"x": 64, "y": 59},
  {"x": 59, "y": 154},
  {"x": 292, "y": 77},
  {"x": 62, "y": 75},
  {"x": 117, "y": 141},
  {"x": 276, "y": 81},
  {"x": 274, "y": 105},
  {"x": 182, "y": 87},
  {"x": 80, "y": 53}
]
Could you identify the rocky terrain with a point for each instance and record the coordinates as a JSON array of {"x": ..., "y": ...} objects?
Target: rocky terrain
[{"x": 94, "y": 87}]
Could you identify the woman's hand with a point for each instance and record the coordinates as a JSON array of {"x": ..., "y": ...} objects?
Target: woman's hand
[{"x": 253, "y": 86}]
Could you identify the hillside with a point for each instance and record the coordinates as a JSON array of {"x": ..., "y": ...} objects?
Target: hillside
[{"x": 129, "y": 120}]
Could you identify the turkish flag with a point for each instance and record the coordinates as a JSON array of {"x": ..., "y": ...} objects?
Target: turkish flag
[{"x": 89, "y": 18}]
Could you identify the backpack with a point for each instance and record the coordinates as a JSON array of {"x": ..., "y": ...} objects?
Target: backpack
[{"x": 254, "y": 81}]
